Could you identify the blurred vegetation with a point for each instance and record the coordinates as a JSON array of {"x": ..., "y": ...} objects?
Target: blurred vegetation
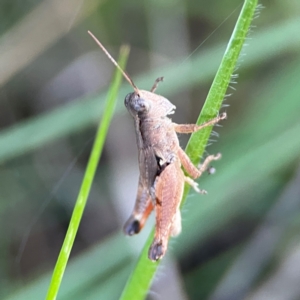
[{"x": 239, "y": 241}]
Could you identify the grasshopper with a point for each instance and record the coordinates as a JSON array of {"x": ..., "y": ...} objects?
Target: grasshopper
[{"x": 160, "y": 157}]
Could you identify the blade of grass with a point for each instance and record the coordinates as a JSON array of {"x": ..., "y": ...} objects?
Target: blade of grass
[
  {"x": 143, "y": 273},
  {"x": 87, "y": 180}
]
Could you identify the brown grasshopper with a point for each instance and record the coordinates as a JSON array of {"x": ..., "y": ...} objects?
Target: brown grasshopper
[{"x": 161, "y": 179}]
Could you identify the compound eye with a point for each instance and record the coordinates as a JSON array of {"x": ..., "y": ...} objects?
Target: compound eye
[{"x": 141, "y": 105}]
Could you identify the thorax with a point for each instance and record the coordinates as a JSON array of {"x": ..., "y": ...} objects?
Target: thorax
[{"x": 157, "y": 132}]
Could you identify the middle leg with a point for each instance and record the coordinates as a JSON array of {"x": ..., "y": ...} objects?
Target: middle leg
[{"x": 193, "y": 171}]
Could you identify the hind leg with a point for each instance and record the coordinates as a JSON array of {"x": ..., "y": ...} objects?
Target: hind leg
[
  {"x": 169, "y": 190},
  {"x": 142, "y": 209}
]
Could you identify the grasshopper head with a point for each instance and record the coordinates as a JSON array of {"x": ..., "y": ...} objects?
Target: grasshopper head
[{"x": 148, "y": 104}]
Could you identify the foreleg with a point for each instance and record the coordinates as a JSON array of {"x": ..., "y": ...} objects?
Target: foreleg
[
  {"x": 159, "y": 79},
  {"x": 190, "y": 128}
]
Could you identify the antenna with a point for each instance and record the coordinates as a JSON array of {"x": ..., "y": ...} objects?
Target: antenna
[{"x": 115, "y": 63}]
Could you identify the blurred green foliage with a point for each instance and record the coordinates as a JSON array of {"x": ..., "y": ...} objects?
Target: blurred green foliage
[{"x": 50, "y": 70}]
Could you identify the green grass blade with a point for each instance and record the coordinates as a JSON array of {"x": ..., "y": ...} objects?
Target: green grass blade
[
  {"x": 198, "y": 141},
  {"x": 141, "y": 278},
  {"x": 87, "y": 180}
]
